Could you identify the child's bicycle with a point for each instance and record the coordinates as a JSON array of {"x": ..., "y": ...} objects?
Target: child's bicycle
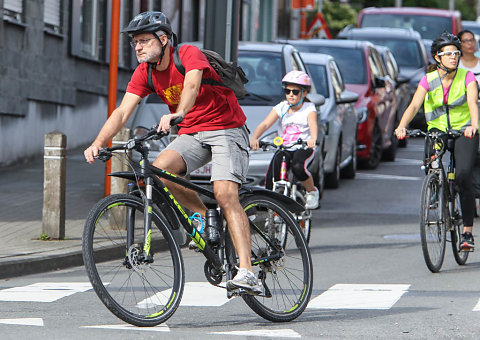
[
  {"x": 136, "y": 266},
  {"x": 440, "y": 202},
  {"x": 289, "y": 186}
]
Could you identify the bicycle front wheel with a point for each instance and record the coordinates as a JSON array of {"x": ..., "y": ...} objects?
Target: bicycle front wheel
[
  {"x": 456, "y": 232},
  {"x": 142, "y": 293},
  {"x": 432, "y": 222},
  {"x": 287, "y": 281}
]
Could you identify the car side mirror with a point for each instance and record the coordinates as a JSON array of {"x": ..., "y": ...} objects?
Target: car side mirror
[
  {"x": 379, "y": 82},
  {"x": 347, "y": 97},
  {"x": 316, "y": 99}
]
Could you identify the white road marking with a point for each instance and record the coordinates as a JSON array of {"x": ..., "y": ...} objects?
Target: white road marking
[
  {"x": 23, "y": 321},
  {"x": 43, "y": 291},
  {"x": 280, "y": 333},
  {"x": 359, "y": 296},
  {"x": 159, "y": 328},
  {"x": 199, "y": 294},
  {"x": 363, "y": 175},
  {"x": 405, "y": 161},
  {"x": 477, "y": 307}
]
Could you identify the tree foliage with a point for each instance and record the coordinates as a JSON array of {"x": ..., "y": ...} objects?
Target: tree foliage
[{"x": 338, "y": 15}]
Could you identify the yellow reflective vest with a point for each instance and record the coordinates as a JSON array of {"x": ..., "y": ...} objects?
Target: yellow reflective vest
[{"x": 455, "y": 114}]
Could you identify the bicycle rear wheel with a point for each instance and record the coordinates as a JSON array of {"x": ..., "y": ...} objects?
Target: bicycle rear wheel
[
  {"x": 287, "y": 281},
  {"x": 432, "y": 223},
  {"x": 456, "y": 232},
  {"x": 140, "y": 293}
]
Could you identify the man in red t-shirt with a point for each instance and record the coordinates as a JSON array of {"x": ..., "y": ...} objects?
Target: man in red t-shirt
[{"x": 213, "y": 128}]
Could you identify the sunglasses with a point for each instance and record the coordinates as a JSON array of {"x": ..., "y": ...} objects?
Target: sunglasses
[
  {"x": 455, "y": 54},
  {"x": 295, "y": 92}
]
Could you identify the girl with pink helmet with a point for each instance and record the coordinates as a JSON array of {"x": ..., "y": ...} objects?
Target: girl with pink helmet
[{"x": 297, "y": 118}]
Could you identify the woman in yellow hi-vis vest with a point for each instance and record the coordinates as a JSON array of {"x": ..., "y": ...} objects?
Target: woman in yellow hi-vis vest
[{"x": 449, "y": 95}]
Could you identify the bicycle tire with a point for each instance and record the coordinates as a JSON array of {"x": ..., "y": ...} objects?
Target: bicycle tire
[
  {"x": 142, "y": 294},
  {"x": 289, "y": 279},
  {"x": 455, "y": 233},
  {"x": 304, "y": 219},
  {"x": 432, "y": 222}
]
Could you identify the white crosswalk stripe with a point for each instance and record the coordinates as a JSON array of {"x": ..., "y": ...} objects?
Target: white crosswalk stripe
[
  {"x": 43, "y": 291},
  {"x": 359, "y": 296}
]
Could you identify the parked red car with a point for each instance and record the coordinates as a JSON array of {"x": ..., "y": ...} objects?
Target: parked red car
[{"x": 364, "y": 73}]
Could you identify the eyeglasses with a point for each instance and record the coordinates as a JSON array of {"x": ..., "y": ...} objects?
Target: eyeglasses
[
  {"x": 142, "y": 42},
  {"x": 295, "y": 92},
  {"x": 468, "y": 41},
  {"x": 454, "y": 54}
]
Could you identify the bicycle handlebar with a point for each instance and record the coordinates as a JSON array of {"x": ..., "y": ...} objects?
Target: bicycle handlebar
[
  {"x": 435, "y": 134},
  {"x": 263, "y": 144},
  {"x": 106, "y": 153}
]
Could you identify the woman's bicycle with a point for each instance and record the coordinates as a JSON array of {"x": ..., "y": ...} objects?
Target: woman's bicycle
[
  {"x": 289, "y": 186},
  {"x": 136, "y": 266},
  {"x": 440, "y": 202}
]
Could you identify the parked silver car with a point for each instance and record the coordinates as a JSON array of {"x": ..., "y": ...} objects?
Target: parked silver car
[
  {"x": 339, "y": 115},
  {"x": 264, "y": 65}
]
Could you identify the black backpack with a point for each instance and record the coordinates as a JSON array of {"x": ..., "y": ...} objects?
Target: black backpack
[{"x": 231, "y": 76}]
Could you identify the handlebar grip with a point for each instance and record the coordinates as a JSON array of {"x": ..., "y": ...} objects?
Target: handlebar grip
[
  {"x": 176, "y": 121},
  {"x": 104, "y": 155}
]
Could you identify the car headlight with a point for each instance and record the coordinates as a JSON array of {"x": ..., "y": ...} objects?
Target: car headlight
[
  {"x": 362, "y": 114},
  {"x": 153, "y": 145}
]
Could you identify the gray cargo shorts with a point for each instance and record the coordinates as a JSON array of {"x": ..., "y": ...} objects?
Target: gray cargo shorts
[{"x": 227, "y": 149}]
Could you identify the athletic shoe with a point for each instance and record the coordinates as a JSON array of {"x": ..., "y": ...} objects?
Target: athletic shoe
[
  {"x": 467, "y": 243},
  {"x": 245, "y": 280},
  {"x": 312, "y": 199}
]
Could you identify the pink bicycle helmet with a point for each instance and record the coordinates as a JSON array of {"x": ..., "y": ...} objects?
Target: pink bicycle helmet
[{"x": 298, "y": 78}]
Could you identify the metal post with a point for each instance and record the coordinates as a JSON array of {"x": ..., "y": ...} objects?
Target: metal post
[
  {"x": 222, "y": 27},
  {"x": 54, "y": 179},
  {"x": 112, "y": 79}
]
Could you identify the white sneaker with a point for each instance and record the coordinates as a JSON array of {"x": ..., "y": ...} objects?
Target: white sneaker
[
  {"x": 312, "y": 199},
  {"x": 246, "y": 280}
]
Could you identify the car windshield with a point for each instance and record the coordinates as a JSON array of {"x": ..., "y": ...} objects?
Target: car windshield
[
  {"x": 406, "y": 52},
  {"x": 348, "y": 60},
  {"x": 474, "y": 28},
  {"x": 428, "y": 26},
  {"x": 264, "y": 72},
  {"x": 319, "y": 77}
]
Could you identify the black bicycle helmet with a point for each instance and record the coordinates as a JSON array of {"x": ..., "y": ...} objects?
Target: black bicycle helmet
[
  {"x": 149, "y": 22},
  {"x": 443, "y": 40}
]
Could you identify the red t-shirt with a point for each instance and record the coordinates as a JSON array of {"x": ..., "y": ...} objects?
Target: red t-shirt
[{"x": 215, "y": 108}]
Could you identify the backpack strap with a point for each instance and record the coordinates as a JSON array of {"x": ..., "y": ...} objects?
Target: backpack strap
[{"x": 149, "y": 77}]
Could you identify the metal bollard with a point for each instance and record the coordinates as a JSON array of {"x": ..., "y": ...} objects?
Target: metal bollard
[{"x": 54, "y": 179}]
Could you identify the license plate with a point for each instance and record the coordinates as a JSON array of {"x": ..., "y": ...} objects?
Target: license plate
[{"x": 204, "y": 171}]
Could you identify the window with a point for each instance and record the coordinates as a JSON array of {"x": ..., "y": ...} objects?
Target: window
[
  {"x": 89, "y": 28},
  {"x": 337, "y": 80},
  {"x": 13, "y": 10},
  {"x": 52, "y": 15}
]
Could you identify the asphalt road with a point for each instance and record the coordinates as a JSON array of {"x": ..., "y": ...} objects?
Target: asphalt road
[{"x": 370, "y": 280}]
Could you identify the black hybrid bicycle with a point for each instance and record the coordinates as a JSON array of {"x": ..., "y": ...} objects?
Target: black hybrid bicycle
[
  {"x": 136, "y": 266},
  {"x": 440, "y": 202}
]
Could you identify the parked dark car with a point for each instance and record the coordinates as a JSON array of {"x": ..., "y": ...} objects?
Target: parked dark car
[
  {"x": 409, "y": 51},
  {"x": 339, "y": 115},
  {"x": 363, "y": 71},
  {"x": 265, "y": 64}
]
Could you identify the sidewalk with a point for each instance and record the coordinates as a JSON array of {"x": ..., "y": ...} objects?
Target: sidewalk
[{"x": 21, "y": 201}]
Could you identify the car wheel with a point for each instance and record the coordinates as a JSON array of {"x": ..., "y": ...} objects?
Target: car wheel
[
  {"x": 375, "y": 149},
  {"x": 390, "y": 153},
  {"x": 350, "y": 170},
  {"x": 332, "y": 180}
]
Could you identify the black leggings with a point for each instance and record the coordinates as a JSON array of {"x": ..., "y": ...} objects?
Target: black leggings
[
  {"x": 298, "y": 160},
  {"x": 465, "y": 151}
]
